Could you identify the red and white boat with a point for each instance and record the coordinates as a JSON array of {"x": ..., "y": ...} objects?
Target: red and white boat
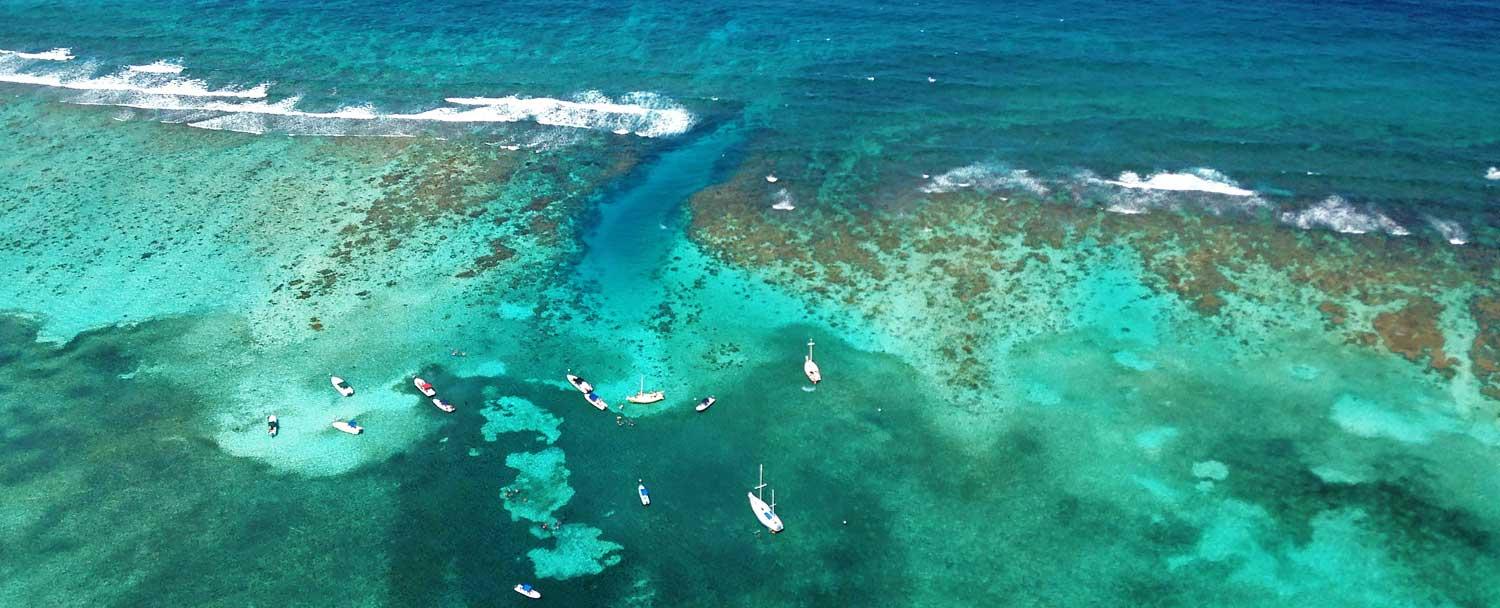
[{"x": 425, "y": 387}]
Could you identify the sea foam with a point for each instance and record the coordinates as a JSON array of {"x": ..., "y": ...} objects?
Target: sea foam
[
  {"x": 1196, "y": 180},
  {"x": 160, "y": 66},
  {"x": 1492, "y": 174},
  {"x": 129, "y": 82},
  {"x": 1451, "y": 230},
  {"x": 1335, "y": 213},
  {"x": 59, "y": 54},
  {"x": 985, "y": 177}
]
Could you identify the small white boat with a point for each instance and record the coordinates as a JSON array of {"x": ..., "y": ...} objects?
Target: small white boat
[
  {"x": 443, "y": 405},
  {"x": 644, "y": 397},
  {"x": 342, "y": 387},
  {"x": 526, "y": 590},
  {"x": 597, "y": 402},
  {"x": 810, "y": 368},
  {"x": 425, "y": 387},
  {"x": 582, "y": 385},
  {"x": 272, "y": 426},
  {"x": 351, "y": 427},
  {"x": 645, "y": 496},
  {"x": 706, "y": 403},
  {"x": 764, "y": 513}
]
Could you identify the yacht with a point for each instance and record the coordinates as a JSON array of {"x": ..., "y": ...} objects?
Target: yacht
[
  {"x": 810, "y": 368},
  {"x": 764, "y": 513},
  {"x": 582, "y": 385},
  {"x": 342, "y": 387},
  {"x": 644, "y": 397},
  {"x": 351, "y": 427},
  {"x": 597, "y": 402},
  {"x": 425, "y": 387},
  {"x": 706, "y": 403}
]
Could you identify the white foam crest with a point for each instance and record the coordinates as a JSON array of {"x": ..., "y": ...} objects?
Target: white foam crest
[
  {"x": 784, "y": 201},
  {"x": 1492, "y": 174},
  {"x": 160, "y": 66},
  {"x": 644, "y": 114},
  {"x": 127, "y": 81},
  {"x": 58, "y": 54},
  {"x": 1451, "y": 230},
  {"x": 1195, "y": 180},
  {"x": 1335, "y": 213},
  {"x": 984, "y": 177}
]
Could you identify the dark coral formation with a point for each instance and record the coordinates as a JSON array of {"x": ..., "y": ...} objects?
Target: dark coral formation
[{"x": 1374, "y": 290}]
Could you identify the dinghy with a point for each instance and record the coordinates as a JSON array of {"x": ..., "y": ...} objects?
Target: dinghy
[
  {"x": 272, "y": 426},
  {"x": 526, "y": 590},
  {"x": 645, "y": 496},
  {"x": 706, "y": 403},
  {"x": 351, "y": 427},
  {"x": 582, "y": 385},
  {"x": 764, "y": 513},
  {"x": 425, "y": 387},
  {"x": 810, "y": 368},
  {"x": 342, "y": 387},
  {"x": 597, "y": 402},
  {"x": 644, "y": 397}
]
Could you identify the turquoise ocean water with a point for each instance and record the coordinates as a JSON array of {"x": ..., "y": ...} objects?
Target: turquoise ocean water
[{"x": 208, "y": 208}]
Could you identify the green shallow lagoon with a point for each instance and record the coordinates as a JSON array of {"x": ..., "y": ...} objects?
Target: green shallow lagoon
[{"x": 1039, "y": 390}]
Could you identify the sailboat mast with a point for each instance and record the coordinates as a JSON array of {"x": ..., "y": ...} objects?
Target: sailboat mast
[
  {"x": 760, "y": 493},
  {"x": 773, "y": 500},
  {"x": 809, "y": 349}
]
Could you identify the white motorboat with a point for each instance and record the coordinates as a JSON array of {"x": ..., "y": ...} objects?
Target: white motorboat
[
  {"x": 443, "y": 405},
  {"x": 764, "y": 513},
  {"x": 526, "y": 590},
  {"x": 644, "y": 397},
  {"x": 272, "y": 426},
  {"x": 645, "y": 496},
  {"x": 706, "y": 403},
  {"x": 351, "y": 427},
  {"x": 425, "y": 387},
  {"x": 811, "y": 368},
  {"x": 582, "y": 385},
  {"x": 597, "y": 402},
  {"x": 342, "y": 387}
]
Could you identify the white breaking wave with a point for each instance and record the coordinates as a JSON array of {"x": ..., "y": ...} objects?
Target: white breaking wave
[
  {"x": 644, "y": 114},
  {"x": 1196, "y": 180},
  {"x": 783, "y": 201},
  {"x": 160, "y": 66},
  {"x": 1334, "y": 213},
  {"x": 128, "y": 81},
  {"x": 985, "y": 177},
  {"x": 1451, "y": 230},
  {"x": 1492, "y": 174},
  {"x": 52, "y": 55}
]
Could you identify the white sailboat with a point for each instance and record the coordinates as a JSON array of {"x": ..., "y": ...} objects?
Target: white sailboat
[
  {"x": 764, "y": 513},
  {"x": 810, "y": 368},
  {"x": 644, "y": 397}
]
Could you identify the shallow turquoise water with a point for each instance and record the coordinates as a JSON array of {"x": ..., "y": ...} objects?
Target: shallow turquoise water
[{"x": 170, "y": 286}]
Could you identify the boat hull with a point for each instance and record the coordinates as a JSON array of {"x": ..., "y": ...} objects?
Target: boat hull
[
  {"x": 597, "y": 402},
  {"x": 424, "y": 387},
  {"x": 705, "y": 404},
  {"x": 644, "y": 398},
  {"x": 348, "y": 428},
  {"x": 812, "y": 371},
  {"x": 582, "y": 385},
  {"x": 764, "y": 514}
]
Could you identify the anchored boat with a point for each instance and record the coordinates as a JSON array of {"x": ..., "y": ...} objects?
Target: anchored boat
[
  {"x": 526, "y": 590},
  {"x": 764, "y": 513},
  {"x": 342, "y": 387},
  {"x": 706, "y": 403},
  {"x": 425, "y": 387},
  {"x": 443, "y": 405},
  {"x": 582, "y": 385},
  {"x": 811, "y": 368},
  {"x": 645, "y": 496},
  {"x": 597, "y": 402},
  {"x": 644, "y": 397},
  {"x": 351, "y": 427},
  {"x": 272, "y": 426}
]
